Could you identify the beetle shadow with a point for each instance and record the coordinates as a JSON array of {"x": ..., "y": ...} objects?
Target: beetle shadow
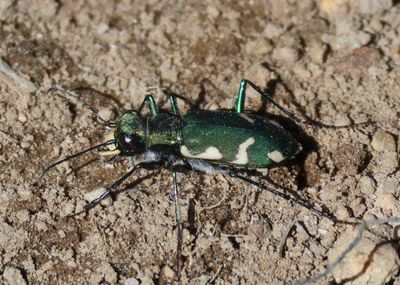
[
  {"x": 307, "y": 142},
  {"x": 132, "y": 185}
]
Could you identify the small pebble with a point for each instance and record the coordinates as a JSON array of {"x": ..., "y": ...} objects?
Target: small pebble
[
  {"x": 317, "y": 52},
  {"x": 348, "y": 158},
  {"x": 22, "y": 118},
  {"x": 258, "y": 47},
  {"x": 23, "y": 216},
  {"x": 342, "y": 213},
  {"x": 373, "y": 6},
  {"x": 109, "y": 273},
  {"x": 212, "y": 11},
  {"x": 4, "y": 5},
  {"x": 285, "y": 55},
  {"x": 169, "y": 273},
  {"x": 366, "y": 185},
  {"x": 357, "y": 63},
  {"x": 330, "y": 6},
  {"x": 102, "y": 28},
  {"x": 168, "y": 71},
  {"x": 358, "y": 207},
  {"x": 388, "y": 203},
  {"x": 131, "y": 281},
  {"x": 387, "y": 158},
  {"x": 383, "y": 141},
  {"x": 302, "y": 72},
  {"x": 387, "y": 162},
  {"x": 13, "y": 276},
  {"x": 369, "y": 217},
  {"x": 272, "y": 30}
]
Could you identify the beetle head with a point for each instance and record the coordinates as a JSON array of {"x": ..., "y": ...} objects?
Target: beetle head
[{"x": 130, "y": 135}]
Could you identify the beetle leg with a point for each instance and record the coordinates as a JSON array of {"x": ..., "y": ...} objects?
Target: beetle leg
[
  {"x": 149, "y": 99},
  {"x": 179, "y": 226},
  {"x": 239, "y": 107},
  {"x": 300, "y": 201},
  {"x": 110, "y": 190},
  {"x": 173, "y": 104}
]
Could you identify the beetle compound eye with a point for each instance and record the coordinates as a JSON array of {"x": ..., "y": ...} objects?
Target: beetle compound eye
[
  {"x": 128, "y": 139},
  {"x": 130, "y": 143}
]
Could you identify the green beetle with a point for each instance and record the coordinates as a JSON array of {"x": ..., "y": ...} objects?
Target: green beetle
[
  {"x": 199, "y": 140},
  {"x": 205, "y": 139}
]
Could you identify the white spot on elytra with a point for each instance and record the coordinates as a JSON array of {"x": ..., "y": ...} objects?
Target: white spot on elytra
[
  {"x": 241, "y": 156},
  {"x": 211, "y": 153},
  {"x": 275, "y": 123},
  {"x": 276, "y": 156},
  {"x": 247, "y": 118}
]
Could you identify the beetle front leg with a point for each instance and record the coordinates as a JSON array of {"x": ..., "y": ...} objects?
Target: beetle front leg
[
  {"x": 149, "y": 99},
  {"x": 110, "y": 190}
]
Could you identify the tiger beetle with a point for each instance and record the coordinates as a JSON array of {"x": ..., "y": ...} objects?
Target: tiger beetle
[{"x": 201, "y": 140}]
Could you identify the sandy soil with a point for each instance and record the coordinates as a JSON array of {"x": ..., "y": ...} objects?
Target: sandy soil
[{"x": 335, "y": 61}]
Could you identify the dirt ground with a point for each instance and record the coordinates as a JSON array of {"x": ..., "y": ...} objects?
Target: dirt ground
[{"x": 337, "y": 62}]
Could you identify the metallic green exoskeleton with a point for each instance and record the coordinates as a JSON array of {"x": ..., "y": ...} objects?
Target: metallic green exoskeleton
[
  {"x": 199, "y": 140},
  {"x": 212, "y": 137},
  {"x": 236, "y": 139}
]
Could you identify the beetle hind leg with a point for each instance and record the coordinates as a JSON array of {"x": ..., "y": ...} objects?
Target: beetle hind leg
[
  {"x": 241, "y": 97},
  {"x": 298, "y": 200}
]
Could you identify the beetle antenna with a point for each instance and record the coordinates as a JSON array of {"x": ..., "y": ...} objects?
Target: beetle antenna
[
  {"x": 65, "y": 93},
  {"x": 300, "y": 201},
  {"x": 51, "y": 166}
]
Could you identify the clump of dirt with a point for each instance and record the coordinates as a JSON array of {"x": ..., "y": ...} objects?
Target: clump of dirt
[
  {"x": 349, "y": 158},
  {"x": 335, "y": 62}
]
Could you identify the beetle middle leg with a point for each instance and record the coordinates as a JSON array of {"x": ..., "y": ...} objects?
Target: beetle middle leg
[{"x": 173, "y": 105}]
